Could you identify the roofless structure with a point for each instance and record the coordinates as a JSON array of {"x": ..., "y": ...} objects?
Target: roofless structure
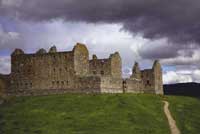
[{"x": 55, "y": 72}]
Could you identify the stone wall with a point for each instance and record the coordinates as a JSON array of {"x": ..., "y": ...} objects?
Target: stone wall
[
  {"x": 100, "y": 67},
  {"x": 133, "y": 86},
  {"x": 136, "y": 73},
  {"x": 152, "y": 79},
  {"x": 42, "y": 71},
  {"x": 110, "y": 67},
  {"x": 81, "y": 60},
  {"x": 111, "y": 85},
  {"x": 109, "y": 70},
  {"x": 89, "y": 84},
  {"x": 158, "y": 77},
  {"x": 116, "y": 65},
  {"x": 53, "y": 72},
  {"x": 147, "y": 76}
]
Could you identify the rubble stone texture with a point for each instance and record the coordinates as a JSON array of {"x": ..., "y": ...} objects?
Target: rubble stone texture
[{"x": 55, "y": 72}]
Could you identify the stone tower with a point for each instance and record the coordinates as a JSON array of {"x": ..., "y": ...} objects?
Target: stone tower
[
  {"x": 94, "y": 57},
  {"x": 136, "y": 73},
  {"x": 17, "y": 52},
  {"x": 157, "y": 74},
  {"x": 81, "y": 59},
  {"x": 116, "y": 65},
  {"x": 41, "y": 51},
  {"x": 53, "y": 49}
]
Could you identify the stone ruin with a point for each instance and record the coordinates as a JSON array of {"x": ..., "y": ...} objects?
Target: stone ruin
[{"x": 55, "y": 72}]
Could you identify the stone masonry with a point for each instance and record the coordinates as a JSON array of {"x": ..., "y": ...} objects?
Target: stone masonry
[{"x": 55, "y": 72}]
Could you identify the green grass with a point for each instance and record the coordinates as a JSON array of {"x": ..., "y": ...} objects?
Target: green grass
[
  {"x": 186, "y": 111},
  {"x": 93, "y": 114},
  {"x": 84, "y": 114}
]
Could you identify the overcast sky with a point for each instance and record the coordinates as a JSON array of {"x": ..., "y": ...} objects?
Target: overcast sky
[{"x": 141, "y": 30}]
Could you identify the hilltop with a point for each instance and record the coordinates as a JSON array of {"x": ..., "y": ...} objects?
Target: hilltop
[{"x": 97, "y": 114}]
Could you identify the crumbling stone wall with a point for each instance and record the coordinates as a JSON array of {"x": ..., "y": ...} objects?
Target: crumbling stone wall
[
  {"x": 158, "y": 81},
  {"x": 100, "y": 67},
  {"x": 116, "y": 65},
  {"x": 136, "y": 73},
  {"x": 42, "y": 71},
  {"x": 88, "y": 84},
  {"x": 111, "y": 85},
  {"x": 133, "y": 86},
  {"x": 110, "y": 67},
  {"x": 81, "y": 60},
  {"x": 110, "y": 72},
  {"x": 53, "y": 72},
  {"x": 148, "y": 80}
]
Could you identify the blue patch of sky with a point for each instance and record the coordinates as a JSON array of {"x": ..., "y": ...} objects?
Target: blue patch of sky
[
  {"x": 8, "y": 24},
  {"x": 5, "y": 52},
  {"x": 168, "y": 68}
]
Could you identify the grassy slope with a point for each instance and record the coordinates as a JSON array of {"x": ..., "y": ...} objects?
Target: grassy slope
[
  {"x": 84, "y": 114},
  {"x": 186, "y": 112},
  {"x": 96, "y": 114}
]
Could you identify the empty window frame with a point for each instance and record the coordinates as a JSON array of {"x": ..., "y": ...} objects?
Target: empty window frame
[{"x": 102, "y": 72}]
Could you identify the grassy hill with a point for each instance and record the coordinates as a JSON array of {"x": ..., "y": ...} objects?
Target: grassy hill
[
  {"x": 97, "y": 114},
  {"x": 186, "y": 111}
]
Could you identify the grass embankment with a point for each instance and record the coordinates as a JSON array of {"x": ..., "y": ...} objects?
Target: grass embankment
[
  {"x": 186, "y": 112},
  {"x": 84, "y": 114},
  {"x": 96, "y": 114}
]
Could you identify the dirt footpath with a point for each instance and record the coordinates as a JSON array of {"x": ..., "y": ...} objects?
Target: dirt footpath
[{"x": 172, "y": 123}]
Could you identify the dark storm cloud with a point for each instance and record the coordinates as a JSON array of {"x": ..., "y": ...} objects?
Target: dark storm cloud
[
  {"x": 178, "y": 20},
  {"x": 163, "y": 49}
]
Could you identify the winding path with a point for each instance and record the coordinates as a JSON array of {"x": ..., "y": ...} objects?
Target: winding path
[{"x": 172, "y": 123}]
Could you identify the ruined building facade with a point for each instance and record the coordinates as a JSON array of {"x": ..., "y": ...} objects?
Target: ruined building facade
[{"x": 73, "y": 72}]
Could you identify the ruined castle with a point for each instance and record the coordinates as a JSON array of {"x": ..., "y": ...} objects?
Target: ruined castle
[{"x": 55, "y": 72}]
